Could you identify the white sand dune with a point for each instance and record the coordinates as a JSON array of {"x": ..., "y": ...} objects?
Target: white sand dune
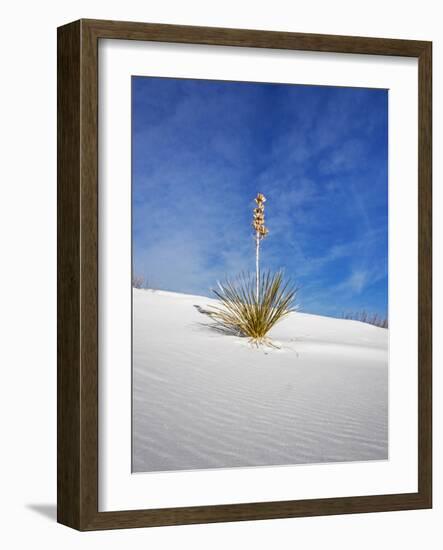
[{"x": 202, "y": 399}]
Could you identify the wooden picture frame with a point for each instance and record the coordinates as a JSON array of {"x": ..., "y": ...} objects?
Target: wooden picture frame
[{"x": 77, "y": 457}]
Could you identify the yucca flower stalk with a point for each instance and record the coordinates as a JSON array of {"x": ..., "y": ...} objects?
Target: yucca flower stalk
[{"x": 258, "y": 223}]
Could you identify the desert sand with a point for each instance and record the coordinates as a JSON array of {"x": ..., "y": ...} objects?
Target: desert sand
[{"x": 202, "y": 399}]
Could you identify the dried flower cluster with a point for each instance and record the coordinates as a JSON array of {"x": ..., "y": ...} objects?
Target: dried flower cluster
[{"x": 258, "y": 222}]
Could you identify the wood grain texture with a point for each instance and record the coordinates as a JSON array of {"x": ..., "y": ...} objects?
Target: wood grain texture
[
  {"x": 68, "y": 276},
  {"x": 77, "y": 453},
  {"x": 425, "y": 273},
  {"x": 254, "y": 38}
]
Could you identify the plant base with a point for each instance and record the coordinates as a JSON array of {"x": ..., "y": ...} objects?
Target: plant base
[{"x": 263, "y": 342}]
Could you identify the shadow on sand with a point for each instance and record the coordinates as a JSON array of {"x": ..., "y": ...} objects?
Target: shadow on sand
[{"x": 215, "y": 326}]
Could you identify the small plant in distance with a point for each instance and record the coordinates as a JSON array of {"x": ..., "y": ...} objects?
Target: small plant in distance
[
  {"x": 251, "y": 305},
  {"x": 138, "y": 281},
  {"x": 369, "y": 318}
]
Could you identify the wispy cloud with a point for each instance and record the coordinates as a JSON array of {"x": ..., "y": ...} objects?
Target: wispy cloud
[{"x": 202, "y": 150}]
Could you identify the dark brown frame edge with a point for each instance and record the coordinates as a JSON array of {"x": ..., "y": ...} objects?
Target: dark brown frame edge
[{"x": 77, "y": 319}]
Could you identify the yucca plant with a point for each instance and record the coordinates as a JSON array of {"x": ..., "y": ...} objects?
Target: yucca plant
[
  {"x": 240, "y": 312},
  {"x": 251, "y": 305}
]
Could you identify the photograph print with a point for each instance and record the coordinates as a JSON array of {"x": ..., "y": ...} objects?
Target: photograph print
[{"x": 259, "y": 274}]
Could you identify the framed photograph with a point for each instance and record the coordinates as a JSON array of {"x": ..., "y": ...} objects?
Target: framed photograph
[{"x": 244, "y": 275}]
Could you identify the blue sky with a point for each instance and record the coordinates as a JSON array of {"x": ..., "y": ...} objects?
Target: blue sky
[{"x": 203, "y": 149}]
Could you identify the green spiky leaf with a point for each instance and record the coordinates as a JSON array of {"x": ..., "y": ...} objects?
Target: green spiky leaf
[{"x": 241, "y": 312}]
